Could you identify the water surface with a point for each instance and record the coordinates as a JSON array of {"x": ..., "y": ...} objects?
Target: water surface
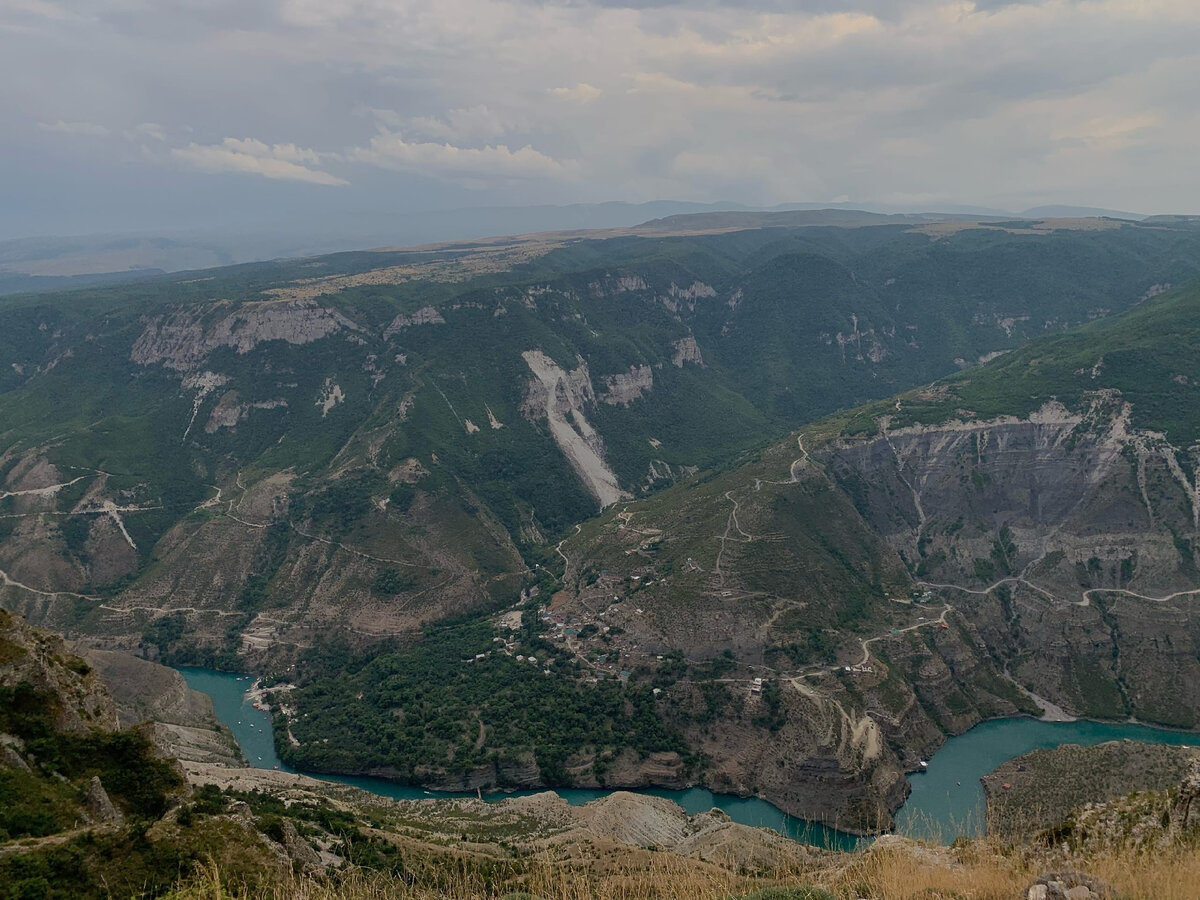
[
  {"x": 946, "y": 801},
  {"x": 947, "y": 798},
  {"x": 253, "y": 730}
]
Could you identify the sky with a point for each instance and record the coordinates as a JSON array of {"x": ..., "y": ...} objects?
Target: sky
[{"x": 125, "y": 114}]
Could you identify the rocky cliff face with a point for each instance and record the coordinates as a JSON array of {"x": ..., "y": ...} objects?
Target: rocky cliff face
[
  {"x": 43, "y": 661},
  {"x": 184, "y": 724},
  {"x": 183, "y": 340},
  {"x": 1066, "y": 539}
]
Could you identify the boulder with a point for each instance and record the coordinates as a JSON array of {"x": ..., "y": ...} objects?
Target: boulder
[
  {"x": 1069, "y": 885},
  {"x": 299, "y": 851},
  {"x": 100, "y": 808}
]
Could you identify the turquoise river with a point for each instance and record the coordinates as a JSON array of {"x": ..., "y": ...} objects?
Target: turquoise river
[{"x": 946, "y": 800}]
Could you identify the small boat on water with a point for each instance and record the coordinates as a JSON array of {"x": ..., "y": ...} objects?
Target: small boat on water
[{"x": 924, "y": 764}]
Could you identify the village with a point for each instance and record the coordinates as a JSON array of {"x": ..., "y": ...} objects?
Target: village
[{"x": 604, "y": 649}]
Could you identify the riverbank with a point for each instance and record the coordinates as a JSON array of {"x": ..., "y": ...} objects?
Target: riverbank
[
  {"x": 252, "y": 725},
  {"x": 947, "y": 798}
]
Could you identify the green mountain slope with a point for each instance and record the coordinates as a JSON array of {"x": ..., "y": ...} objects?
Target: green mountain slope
[
  {"x": 236, "y": 467},
  {"x": 398, "y": 436}
]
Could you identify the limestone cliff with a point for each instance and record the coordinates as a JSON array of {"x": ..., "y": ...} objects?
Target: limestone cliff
[
  {"x": 43, "y": 661},
  {"x": 184, "y": 724}
]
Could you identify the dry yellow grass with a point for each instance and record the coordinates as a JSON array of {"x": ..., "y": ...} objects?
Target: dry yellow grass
[{"x": 979, "y": 870}]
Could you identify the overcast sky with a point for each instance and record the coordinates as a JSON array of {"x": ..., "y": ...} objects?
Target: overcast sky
[{"x": 141, "y": 113}]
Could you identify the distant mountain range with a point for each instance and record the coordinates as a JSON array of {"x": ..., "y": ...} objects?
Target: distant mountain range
[{"x": 62, "y": 263}]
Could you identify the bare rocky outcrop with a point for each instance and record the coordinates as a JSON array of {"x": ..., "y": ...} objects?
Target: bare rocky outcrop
[
  {"x": 1185, "y": 810},
  {"x": 229, "y": 411},
  {"x": 1069, "y": 885},
  {"x": 42, "y": 660},
  {"x": 184, "y": 339},
  {"x": 426, "y": 315},
  {"x": 183, "y": 722},
  {"x": 621, "y": 284},
  {"x": 10, "y": 755},
  {"x": 686, "y": 351},
  {"x": 561, "y": 397},
  {"x": 331, "y": 396},
  {"x": 622, "y": 389},
  {"x": 299, "y": 851},
  {"x": 685, "y": 297},
  {"x": 100, "y": 807}
]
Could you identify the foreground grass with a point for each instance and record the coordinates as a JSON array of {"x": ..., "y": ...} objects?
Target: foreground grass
[{"x": 978, "y": 870}]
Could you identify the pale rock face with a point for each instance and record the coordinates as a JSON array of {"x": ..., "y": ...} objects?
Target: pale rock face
[
  {"x": 620, "y": 285},
  {"x": 229, "y": 412},
  {"x": 204, "y": 382},
  {"x": 863, "y": 345},
  {"x": 623, "y": 389},
  {"x": 679, "y": 297},
  {"x": 687, "y": 351},
  {"x": 695, "y": 291},
  {"x": 427, "y": 315},
  {"x": 331, "y": 396},
  {"x": 182, "y": 341},
  {"x": 561, "y": 397}
]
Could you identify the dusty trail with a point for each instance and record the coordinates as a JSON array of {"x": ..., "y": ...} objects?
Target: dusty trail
[
  {"x": 558, "y": 549},
  {"x": 867, "y": 642},
  {"x": 793, "y": 470},
  {"x": 6, "y": 581},
  {"x": 48, "y": 491},
  {"x": 348, "y": 548},
  {"x": 1085, "y": 599},
  {"x": 730, "y": 523},
  {"x": 130, "y": 610},
  {"x": 107, "y": 507},
  {"x": 1087, "y": 595}
]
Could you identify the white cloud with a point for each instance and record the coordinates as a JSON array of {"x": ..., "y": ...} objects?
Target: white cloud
[
  {"x": 146, "y": 130},
  {"x": 248, "y": 156},
  {"x": 389, "y": 150},
  {"x": 89, "y": 129},
  {"x": 474, "y": 123},
  {"x": 580, "y": 93}
]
